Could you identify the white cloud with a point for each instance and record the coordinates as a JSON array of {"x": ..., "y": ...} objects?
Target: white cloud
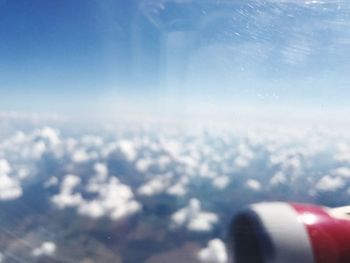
[
  {"x": 63, "y": 200},
  {"x": 114, "y": 200},
  {"x": 173, "y": 148},
  {"x": 193, "y": 163},
  {"x": 292, "y": 165},
  {"x": 244, "y": 156},
  {"x": 93, "y": 209},
  {"x": 221, "y": 182},
  {"x": 101, "y": 170},
  {"x": 9, "y": 188},
  {"x": 128, "y": 148},
  {"x": 5, "y": 167},
  {"x": 215, "y": 252},
  {"x": 342, "y": 171},
  {"x": 50, "y": 135},
  {"x": 193, "y": 218},
  {"x": 1, "y": 257},
  {"x": 69, "y": 182},
  {"x": 80, "y": 156},
  {"x": 278, "y": 178},
  {"x": 45, "y": 249},
  {"x": 163, "y": 161},
  {"x": 143, "y": 164},
  {"x": 38, "y": 149},
  {"x": 66, "y": 197},
  {"x": 342, "y": 153},
  {"x": 92, "y": 140},
  {"x": 129, "y": 208},
  {"x": 23, "y": 173},
  {"x": 329, "y": 183},
  {"x": 52, "y": 181},
  {"x": 178, "y": 189},
  {"x": 154, "y": 186},
  {"x": 204, "y": 170},
  {"x": 253, "y": 184}
]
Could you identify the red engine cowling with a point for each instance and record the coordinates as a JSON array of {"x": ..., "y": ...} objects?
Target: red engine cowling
[{"x": 291, "y": 232}]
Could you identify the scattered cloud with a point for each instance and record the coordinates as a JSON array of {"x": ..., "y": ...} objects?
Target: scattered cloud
[
  {"x": 52, "y": 181},
  {"x": 5, "y": 167},
  {"x": 10, "y": 187},
  {"x": 66, "y": 197},
  {"x": 278, "y": 179},
  {"x": 154, "y": 186},
  {"x": 193, "y": 218},
  {"x": 129, "y": 150},
  {"x": 168, "y": 162},
  {"x": 221, "y": 182},
  {"x": 178, "y": 189},
  {"x": 47, "y": 248},
  {"x": 253, "y": 184},
  {"x": 342, "y": 172},
  {"x": 330, "y": 184},
  {"x": 215, "y": 252},
  {"x": 114, "y": 200},
  {"x": 244, "y": 156}
]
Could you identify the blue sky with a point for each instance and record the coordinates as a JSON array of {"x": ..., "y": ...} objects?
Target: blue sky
[{"x": 173, "y": 56}]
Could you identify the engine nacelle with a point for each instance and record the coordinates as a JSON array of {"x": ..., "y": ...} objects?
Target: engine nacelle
[{"x": 291, "y": 233}]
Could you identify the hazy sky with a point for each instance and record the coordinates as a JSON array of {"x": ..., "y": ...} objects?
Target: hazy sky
[{"x": 174, "y": 55}]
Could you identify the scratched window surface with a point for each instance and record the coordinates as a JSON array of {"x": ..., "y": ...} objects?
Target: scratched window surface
[{"x": 132, "y": 131}]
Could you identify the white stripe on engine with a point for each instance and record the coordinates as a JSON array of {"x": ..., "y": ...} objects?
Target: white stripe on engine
[{"x": 289, "y": 236}]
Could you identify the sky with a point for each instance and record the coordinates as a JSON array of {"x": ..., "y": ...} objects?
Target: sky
[{"x": 177, "y": 57}]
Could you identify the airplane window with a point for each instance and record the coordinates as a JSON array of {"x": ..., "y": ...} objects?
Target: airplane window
[{"x": 133, "y": 131}]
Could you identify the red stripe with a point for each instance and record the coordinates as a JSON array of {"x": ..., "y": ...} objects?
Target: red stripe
[{"x": 330, "y": 237}]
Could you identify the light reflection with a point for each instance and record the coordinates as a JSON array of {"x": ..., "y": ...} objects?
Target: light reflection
[{"x": 308, "y": 218}]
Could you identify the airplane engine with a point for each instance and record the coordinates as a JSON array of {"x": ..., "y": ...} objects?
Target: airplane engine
[{"x": 291, "y": 232}]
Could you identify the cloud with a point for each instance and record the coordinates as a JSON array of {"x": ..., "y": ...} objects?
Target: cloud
[
  {"x": 66, "y": 197},
  {"x": 45, "y": 249},
  {"x": 93, "y": 209},
  {"x": 80, "y": 156},
  {"x": 5, "y": 167},
  {"x": 49, "y": 135},
  {"x": 154, "y": 186},
  {"x": 38, "y": 150},
  {"x": 114, "y": 200},
  {"x": 143, "y": 164},
  {"x": 101, "y": 170},
  {"x": 253, "y": 184},
  {"x": 342, "y": 153},
  {"x": 163, "y": 161},
  {"x": 52, "y": 181},
  {"x": 92, "y": 141},
  {"x": 10, "y": 188},
  {"x": 278, "y": 179},
  {"x": 128, "y": 148},
  {"x": 172, "y": 147},
  {"x": 329, "y": 184},
  {"x": 221, "y": 182},
  {"x": 342, "y": 172},
  {"x": 193, "y": 218},
  {"x": 215, "y": 252},
  {"x": 244, "y": 156},
  {"x": 178, "y": 189}
]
